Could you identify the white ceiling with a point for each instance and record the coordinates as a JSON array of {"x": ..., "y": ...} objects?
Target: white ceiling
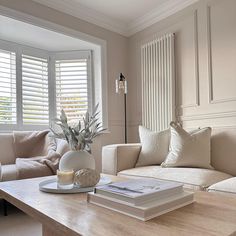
[
  {"x": 37, "y": 37},
  {"x": 124, "y": 10},
  {"x": 122, "y": 16}
]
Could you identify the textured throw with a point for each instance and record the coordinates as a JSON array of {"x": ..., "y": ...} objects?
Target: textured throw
[{"x": 35, "y": 154}]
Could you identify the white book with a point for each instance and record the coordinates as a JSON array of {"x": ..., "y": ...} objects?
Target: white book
[
  {"x": 144, "y": 212},
  {"x": 138, "y": 192}
]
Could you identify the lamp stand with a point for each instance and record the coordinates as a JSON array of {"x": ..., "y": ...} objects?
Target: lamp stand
[{"x": 125, "y": 117}]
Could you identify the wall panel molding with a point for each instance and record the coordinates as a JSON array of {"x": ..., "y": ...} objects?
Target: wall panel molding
[
  {"x": 196, "y": 62},
  {"x": 208, "y": 116},
  {"x": 214, "y": 127},
  {"x": 212, "y": 100}
]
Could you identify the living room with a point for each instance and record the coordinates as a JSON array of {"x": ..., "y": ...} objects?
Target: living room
[{"x": 116, "y": 38}]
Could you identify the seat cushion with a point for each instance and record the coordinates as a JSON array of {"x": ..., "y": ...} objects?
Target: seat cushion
[
  {"x": 9, "y": 172},
  {"x": 193, "y": 178},
  {"x": 225, "y": 186}
]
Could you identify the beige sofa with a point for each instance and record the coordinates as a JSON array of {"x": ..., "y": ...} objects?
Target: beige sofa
[
  {"x": 120, "y": 159},
  {"x": 8, "y": 158}
]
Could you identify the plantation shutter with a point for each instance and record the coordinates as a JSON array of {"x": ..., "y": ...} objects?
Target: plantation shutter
[
  {"x": 7, "y": 87},
  {"x": 72, "y": 87},
  {"x": 35, "y": 90}
]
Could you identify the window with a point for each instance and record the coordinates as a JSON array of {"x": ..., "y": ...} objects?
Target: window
[
  {"x": 7, "y": 87},
  {"x": 73, "y": 93},
  {"x": 35, "y": 85},
  {"x": 35, "y": 90}
]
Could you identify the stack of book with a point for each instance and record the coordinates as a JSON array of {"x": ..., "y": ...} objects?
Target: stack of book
[{"x": 141, "y": 198}]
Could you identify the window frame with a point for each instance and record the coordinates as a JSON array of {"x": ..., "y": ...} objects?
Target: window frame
[{"x": 51, "y": 57}]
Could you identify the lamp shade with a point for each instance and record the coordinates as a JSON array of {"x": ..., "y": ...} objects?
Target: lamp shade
[{"x": 121, "y": 84}]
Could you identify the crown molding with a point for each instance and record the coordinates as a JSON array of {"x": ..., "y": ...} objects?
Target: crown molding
[
  {"x": 166, "y": 9},
  {"x": 87, "y": 14}
]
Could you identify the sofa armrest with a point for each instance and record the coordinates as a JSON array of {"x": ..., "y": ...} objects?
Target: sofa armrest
[{"x": 118, "y": 157}]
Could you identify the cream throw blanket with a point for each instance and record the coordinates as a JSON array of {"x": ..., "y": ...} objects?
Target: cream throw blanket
[{"x": 35, "y": 154}]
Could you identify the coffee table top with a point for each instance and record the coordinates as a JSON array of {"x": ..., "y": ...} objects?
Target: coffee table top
[{"x": 70, "y": 214}]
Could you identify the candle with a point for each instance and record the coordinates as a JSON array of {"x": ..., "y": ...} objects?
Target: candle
[{"x": 65, "y": 179}]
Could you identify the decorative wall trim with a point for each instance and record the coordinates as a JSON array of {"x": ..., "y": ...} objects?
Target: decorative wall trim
[
  {"x": 122, "y": 27},
  {"x": 224, "y": 127},
  {"x": 76, "y": 9},
  {"x": 196, "y": 67},
  {"x": 214, "y": 127},
  {"x": 210, "y": 66},
  {"x": 209, "y": 49},
  {"x": 168, "y": 8},
  {"x": 196, "y": 57},
  {"x": 208, "y": 116}
]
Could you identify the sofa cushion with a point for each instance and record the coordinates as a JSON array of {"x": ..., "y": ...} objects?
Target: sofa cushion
[
  {"x": 9, "y": 172},
  {"x": 194, "y": 178},
  {"x": 225, "y": 186},
  {"x": 189, "y": 149},
  {"x": 155, "y": 146}
]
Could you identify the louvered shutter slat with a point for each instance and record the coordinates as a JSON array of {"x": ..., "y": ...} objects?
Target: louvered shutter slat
[
  {"x": 32, "y": 76},
  {"x": 72, "y": 87},
  {"x": 7, "y": 87},
  {"x": 32, "y": 80},
  {"x": 3, "y": 72},
  {"x": 67, "y": 100},
  {"x": 73, "y": 81},
  {"x": 35, "y": 90}
]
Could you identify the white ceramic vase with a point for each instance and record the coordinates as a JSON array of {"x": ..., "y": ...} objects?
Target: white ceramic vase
[{"x": 76, "y": 160}]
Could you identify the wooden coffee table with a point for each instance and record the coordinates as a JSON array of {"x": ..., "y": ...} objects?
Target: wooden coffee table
[{"x": 71, "y": 215}]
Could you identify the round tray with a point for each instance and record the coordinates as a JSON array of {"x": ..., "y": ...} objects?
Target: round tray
[{"x": 50, "y": 186}]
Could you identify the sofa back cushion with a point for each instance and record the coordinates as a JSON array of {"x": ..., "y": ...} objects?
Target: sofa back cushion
[
  {"x": 223, "y": 150},
  {"x": 155, "y": 146},
  {"x": 189, "y": 149},
  {"x": 7, "y": 154}
]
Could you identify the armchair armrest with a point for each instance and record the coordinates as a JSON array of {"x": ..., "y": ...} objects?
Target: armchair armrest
[{"x": 118, "y": 157}]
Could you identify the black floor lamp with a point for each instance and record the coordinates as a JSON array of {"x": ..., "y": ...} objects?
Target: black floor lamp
[{"x": 121, "y": 87}]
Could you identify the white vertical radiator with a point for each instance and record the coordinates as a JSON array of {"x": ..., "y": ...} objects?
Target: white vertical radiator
[{"x": 158, "y": 83}]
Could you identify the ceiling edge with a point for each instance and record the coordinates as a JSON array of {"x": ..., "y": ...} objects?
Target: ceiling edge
[
  {"x": 92, "y": 16},
  {"x": 86, "y": 14},
  {"x": 158, "y": 14}
]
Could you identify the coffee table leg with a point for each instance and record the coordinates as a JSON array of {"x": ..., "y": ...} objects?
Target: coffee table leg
[{"x": 4, "y": 207}]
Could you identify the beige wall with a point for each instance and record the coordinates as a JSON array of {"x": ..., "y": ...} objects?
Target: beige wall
[
  {"x": 116, "y": 62},
  {"x": 205, "y": 64}
]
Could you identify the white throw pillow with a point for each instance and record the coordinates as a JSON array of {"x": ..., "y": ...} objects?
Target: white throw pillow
[
  {"x": 155, "y": 146},
  {"x": 189, "y": 149}
]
